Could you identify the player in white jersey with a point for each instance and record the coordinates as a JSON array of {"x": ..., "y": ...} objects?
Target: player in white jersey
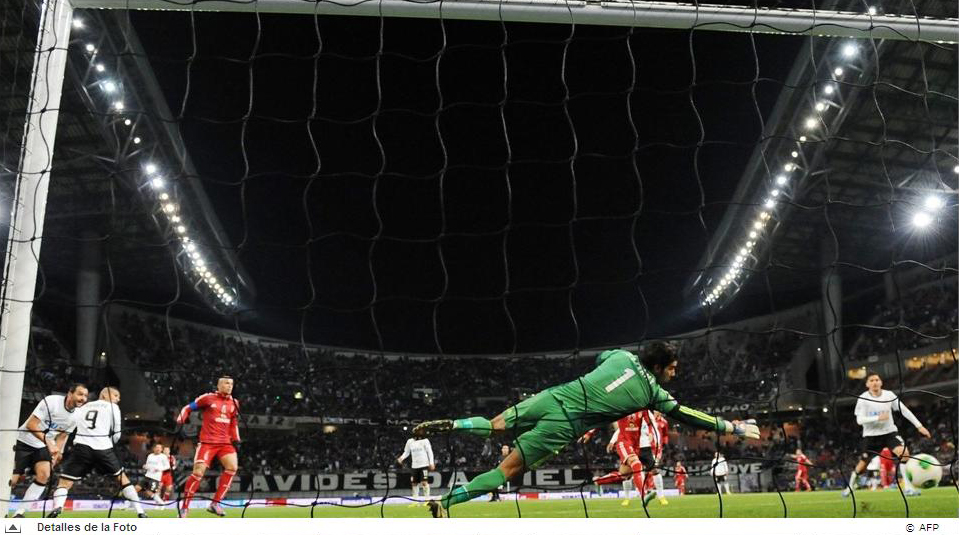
[
  {"x": 157, "y": 463},
  {"x": 874, "y": 413},
  {"x": 40, "y": 441},
  {"x": 422, "y": 462},
  {"x": 650, "y": 453},
  {"x": 98, "y": 429},
  {"x": 720, "y": 469}
]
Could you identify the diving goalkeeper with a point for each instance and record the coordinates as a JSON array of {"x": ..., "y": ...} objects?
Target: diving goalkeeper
[{"x": 544, "y": 424}]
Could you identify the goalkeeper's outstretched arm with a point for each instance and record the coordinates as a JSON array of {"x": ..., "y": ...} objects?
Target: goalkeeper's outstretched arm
[{"x": 666, "y": 404}]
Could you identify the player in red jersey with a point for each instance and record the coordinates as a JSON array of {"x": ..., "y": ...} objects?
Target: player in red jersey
[
  {"x": 219, "y": 431},
  {"x": 625, "y": 442},
  {"x": 802, "y": 470},
  {"x": 887, "y": 467},
  {"x": 166, "y": 480},
  {"x": 681, "y": 475}
]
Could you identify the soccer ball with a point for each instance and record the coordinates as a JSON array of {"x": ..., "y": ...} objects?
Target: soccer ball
[{"x": 924, "y": 470}]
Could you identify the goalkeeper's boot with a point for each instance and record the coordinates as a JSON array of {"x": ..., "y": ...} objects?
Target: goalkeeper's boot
[
  {"x": 432, "y": 427},
  {"x": 650, "y": 494},
  {"x": 55, "y": 513},
  {"x": 216, "y": 509},
  {"x": 437, "y": 509}
]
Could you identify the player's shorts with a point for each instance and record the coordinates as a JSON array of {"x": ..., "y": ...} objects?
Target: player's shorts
[
  {"x": 720, "y": 479},
  {"x": 646, "y": 457},
  {"x": 419, "y": 475},
  {"x": 25, "y": 457},
  {"x": 802, "y": 475},
  {"x": 83, "y": 459},
  {"x": 874, "y": 445},
  {"x": 149, "y": 484},
  {"x": 207, "y": 452},
  {"x": 625, "y": 448},
  {"x": 166, "y": 479},
  {"x": 542, "y": 428}
]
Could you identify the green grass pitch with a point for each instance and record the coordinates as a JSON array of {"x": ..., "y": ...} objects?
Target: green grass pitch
[{"x": 934, "y": 503}]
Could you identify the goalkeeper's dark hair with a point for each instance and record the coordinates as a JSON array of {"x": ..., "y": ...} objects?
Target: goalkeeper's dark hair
[{"x": 658, "y": 353}]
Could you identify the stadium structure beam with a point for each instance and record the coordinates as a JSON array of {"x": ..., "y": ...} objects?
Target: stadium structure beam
[
  {"x": 26, "y": 221},
  {"x": 615, "y": 13}
]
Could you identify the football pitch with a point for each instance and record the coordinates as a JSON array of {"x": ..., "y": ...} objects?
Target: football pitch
[{"x": 934, "y": 503}]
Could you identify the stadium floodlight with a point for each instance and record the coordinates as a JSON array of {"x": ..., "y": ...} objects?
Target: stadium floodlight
[
  {"x": 811, "y": 123},
  {"x": 164, "y": 196},
  {"x": 90, "y": 48},
  {"x": 770, "y": 203},
  {"x": 820, "y": 106},
  {"x": 872, "y": 11},
  {"x": 77, "y": 22},
  {"x": 191, "y": 247},
  {"x": 933, "y": 203},
  {"x": 781, "y": 180},
  {"x": 829, "y": 89},
  {"x": 794, "y": 154},
  {"x": 750, "y": 244},
  {"x": 137, "y": 140},
  {"x": 753, "y": 234},
  {"x": 802, "y": 139},
  {"x": 956, "y": 169},
  {"x": 99, "y": 67},
  {"x": 157, "y": 183},
  {"x": 109, "y": 86},
  {"x": 837, "y": 71},
  {"x": 826, "y": 409},
  {"x": 758, "y": 225},
  {"x": 150, "y": 168},
  {"x": 774, "y": 193},
  {"x": 850, "y": 50},
  {"x": 743, "y": 251},
  {"x": 764, "y": 215},
  {"x": 127, "y": 122},
  {"x": 175, "y": 218},
  {"x": 118, "y": 105},
  {"x": 180, "y": 229},
  {"x": 169, "y": 207},
  {"x": 789, "y": 167},
  {"x": 921, "y": 220}
]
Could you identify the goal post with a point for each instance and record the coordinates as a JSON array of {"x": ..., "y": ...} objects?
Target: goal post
[{"x": 616, "y": 13}]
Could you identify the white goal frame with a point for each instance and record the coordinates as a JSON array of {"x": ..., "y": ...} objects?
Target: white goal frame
[{"x": 32, "y": 180}]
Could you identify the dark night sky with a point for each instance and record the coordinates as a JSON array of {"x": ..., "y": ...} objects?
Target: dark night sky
[{"x": 342, "y": 166}]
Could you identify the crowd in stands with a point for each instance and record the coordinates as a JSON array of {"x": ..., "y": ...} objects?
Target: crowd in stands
[{"x": 920, "y": 318}]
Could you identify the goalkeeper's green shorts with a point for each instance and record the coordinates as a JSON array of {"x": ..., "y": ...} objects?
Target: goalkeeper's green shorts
[{"x": 541, "y": 427}]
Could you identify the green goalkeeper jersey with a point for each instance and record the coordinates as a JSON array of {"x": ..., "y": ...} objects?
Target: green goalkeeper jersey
[{"x": 618, "y": 386}]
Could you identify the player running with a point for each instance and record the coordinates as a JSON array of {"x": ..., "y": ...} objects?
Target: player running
[
  {"x": 40, "y": 441},
  {"x": 219, "y": 431},
  {"x": 802, "y": 470},
  {"x": 625, "y": 441},
  {"x": 680, "y": 477},
  {"x": 98, "y": 430},
  {"x": 874, "y": 413},
  {"x": 156, "y": 464},
  {"x": 544, "y": 424},
  {"x": 887, "y": 468},
  {"x": 421, "y": 463},
  {"x": 166, "y": 480}
]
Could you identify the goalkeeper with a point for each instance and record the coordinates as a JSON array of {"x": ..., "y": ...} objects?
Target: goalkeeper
[{"x": 544, "y": 424}]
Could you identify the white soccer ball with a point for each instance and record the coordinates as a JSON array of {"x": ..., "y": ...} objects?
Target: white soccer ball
[{"x": 923, "y": 470}]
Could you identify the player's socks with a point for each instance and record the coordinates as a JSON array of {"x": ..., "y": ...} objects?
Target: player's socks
[
  {"x": 658, "y": 482},
  {"x": 223, "y": 485},
  {"x": 854, "y": 480},
  {"x": 639, "y": 477},
  {"x": 426, "y": 490},
  {"x": 477, "y": 425},
  {"x": 609, "y": 479},
  {"x": 33, "y": 493},
  {"x": 130, "y": 494},
  {"x": 59, "y": 498},
  {"x": 189, "y": 489},
  {"x": 480, "y": 485}
]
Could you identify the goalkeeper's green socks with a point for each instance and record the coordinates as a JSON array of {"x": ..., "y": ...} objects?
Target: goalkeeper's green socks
[
  {"x": 477, "y": 425},
  {"x": 480, "y": 485}
]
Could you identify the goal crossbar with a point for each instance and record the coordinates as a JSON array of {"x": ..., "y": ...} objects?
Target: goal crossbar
[{"x": 617, "y": 13}]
